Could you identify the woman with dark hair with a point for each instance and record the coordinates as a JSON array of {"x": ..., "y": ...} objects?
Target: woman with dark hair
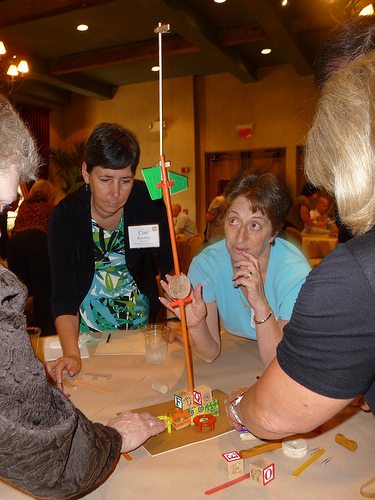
[
  {"x": 103, "y": 277},
  {"x": 251, "y": 278}
]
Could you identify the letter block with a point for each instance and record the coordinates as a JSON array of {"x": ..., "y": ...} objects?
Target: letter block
[
  {"x": 194, "y": 411},
  {"x": 202, "y": 395},
  {"x": 235, "y": 464},
  {"x": 261, "y": 472},
  {"x": 213, "y": 407},
  {"x": 183, "y": 400}
]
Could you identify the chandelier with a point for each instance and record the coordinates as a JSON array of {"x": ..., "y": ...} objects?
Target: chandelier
[{"x": 12, "y": 70}]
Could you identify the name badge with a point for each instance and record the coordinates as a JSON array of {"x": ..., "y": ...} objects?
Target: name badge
[{"x": 144, "y": 236}]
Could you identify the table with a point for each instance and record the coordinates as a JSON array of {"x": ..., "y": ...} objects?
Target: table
[
  {"x": 318, "y": 245},
  {"x": 188, "y": 472}
]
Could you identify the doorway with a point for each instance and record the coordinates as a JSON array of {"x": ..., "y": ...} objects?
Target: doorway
[{"x": 224, "y": 165}]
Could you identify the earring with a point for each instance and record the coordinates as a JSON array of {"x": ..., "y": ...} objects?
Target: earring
[{"x": 86, "y": 187}]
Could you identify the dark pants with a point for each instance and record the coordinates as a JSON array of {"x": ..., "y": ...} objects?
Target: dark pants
[{"x": 27, "y": 254}]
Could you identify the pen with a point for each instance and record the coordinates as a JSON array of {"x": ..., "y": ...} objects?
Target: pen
[{"x": 108, "y": 338}]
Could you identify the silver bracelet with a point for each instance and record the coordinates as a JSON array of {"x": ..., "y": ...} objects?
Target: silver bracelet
[{"x": 259, "y": 322}]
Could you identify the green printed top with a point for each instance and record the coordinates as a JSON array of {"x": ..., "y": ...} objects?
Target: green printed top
[{"x": 114, "y": 300}]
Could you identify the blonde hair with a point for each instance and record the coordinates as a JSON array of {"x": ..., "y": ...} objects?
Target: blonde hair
[
  {"x": 17, "y": 147},
  {"x": 340, "y": 147}
]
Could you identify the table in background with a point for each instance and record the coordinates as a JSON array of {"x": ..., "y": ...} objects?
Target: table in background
[{"x": 186, "y": 473}]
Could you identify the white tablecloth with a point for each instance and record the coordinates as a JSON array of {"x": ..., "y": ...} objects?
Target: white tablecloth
[{"x": 186, "y": 473}]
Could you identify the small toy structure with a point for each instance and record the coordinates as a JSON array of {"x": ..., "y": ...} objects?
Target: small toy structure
[
  {"x": 235, "y": 464},
  {"x": 168, "y": 421},
  {"x": 183, "y": 400},
  {"x": 261, "y": 472},
  {"x": 202, "y": 395},
  {"x": 212, "y": 407},
  {"x": 205, "y": 420}
]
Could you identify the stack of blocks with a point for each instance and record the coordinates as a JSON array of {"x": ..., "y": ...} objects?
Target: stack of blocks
[
  {"x": 190, "y": 404},
  {"x": 261, "y": 472}
]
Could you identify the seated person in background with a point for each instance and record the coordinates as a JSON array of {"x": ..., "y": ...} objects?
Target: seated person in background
[
  {"x": 299, "y": 213},
  {"x": 326, "y": 358},
  {"x": 250, "y": 279},
  {"x": 320, "y": 219},
  {"x": 184, "y": 226},
  {"x": 215, "y": 214},
  {"x": 27, "y": 251},
  {"x": 103, "y": 277},
  {"x": 48, "y": 448}
]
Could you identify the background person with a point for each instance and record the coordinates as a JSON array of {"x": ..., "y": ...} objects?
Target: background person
[
  {"x": 215, "y": 214},
  {"x": 251, "y": 278},
  {"x": 299, "y": 213},
  {"x": 184, "y": 226},
  {"x": 103, "y": 277},
  {"x": 327, "y": 356},
  {"x": 48, "y": 448},
  {"x": 27, "y": 251}
]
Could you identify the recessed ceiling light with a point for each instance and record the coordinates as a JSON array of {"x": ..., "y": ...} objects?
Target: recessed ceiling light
[
  {"x": 82, "y": 27},
  {"x": 266, "y": 51},
  {"x": 155, "y": 68},
  {"x": 220, "y": 1},
  {"x": 284, "y": 2}
]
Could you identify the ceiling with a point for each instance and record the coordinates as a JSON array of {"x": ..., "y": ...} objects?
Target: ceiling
[{"x": 120, "y": 46}]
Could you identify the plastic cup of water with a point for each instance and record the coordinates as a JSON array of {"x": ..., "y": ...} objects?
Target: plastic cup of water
[{"x": 156, "y": 343}]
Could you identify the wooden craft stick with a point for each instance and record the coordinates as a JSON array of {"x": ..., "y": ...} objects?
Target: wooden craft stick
[
  {"x": 347, "y": 443},
  {"x": 89, "y": 386},
  {"x": 308, "y": 462},
  {"x": 227, "y": 484},
  {"x": 257, "y": 450}
]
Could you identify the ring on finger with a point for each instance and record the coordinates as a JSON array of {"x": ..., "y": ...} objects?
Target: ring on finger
[{"x": 247, "y": 275}]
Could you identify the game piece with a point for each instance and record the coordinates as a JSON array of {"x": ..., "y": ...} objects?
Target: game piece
[
  {"x": 202, "y": 395},
  {"x": 159, "y": 387},
  {"x": 297, "y": 448},
  {"x": 308, "y": 462},
  {"x": 212, "y": 407},
  {"x": 184, "y": 400},
  {"x": 179, "y": 286},
  {"x": 205, "y": 420},
  {"x": 259, "y": 449},
  {"x": 227, "y": 484},
  {"x": 168, "y": 421},
  {"x": 180, "y": 418},
  {"x": 196, "y": 410},
  {"x": 261, "y": 472},
  {"x": 347, "y": 443},
  {"x": 235, "y": 464}
]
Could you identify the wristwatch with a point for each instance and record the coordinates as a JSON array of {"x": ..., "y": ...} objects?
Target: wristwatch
[{"x": 233, "y": 404}]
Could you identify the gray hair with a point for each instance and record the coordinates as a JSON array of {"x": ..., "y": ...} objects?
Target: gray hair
[
  {"x": 340, "y": 147},
  {"x": 17, "y": 147}
]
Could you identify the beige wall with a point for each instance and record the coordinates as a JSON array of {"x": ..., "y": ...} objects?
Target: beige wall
[{"x": 280, "y": 105}]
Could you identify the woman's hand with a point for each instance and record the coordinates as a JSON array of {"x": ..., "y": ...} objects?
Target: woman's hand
[
  {"x": 247, "y": 274},
  {"x": 196, "y": 310},
  {"x": 70, "y": 365},
  {"x": 136, "y": 428}
]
